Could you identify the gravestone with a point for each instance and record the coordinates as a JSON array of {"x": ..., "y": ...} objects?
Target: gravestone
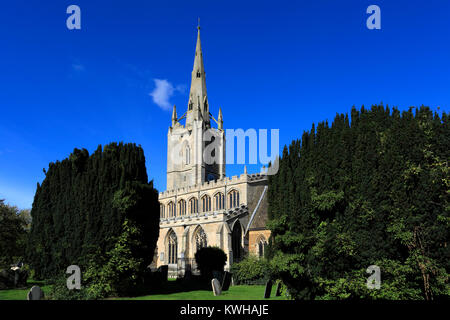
[
  {"x": 164, "y": 271},
  {"x": 268, "y": 289},
  {"x": 278, "y": 292},
  {"x": 35, "y": 293},
  {"x": 226, "y": 281},
  {"x": 217, "y": 288}
]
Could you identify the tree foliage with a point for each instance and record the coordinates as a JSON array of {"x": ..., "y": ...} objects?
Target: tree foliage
[
  {"x": 373, "y": 189},
  {"x": 95, "y": 211},
  {"x": 251, "y": 270},
  {"x": 13, "y": 234},
  {"x": 210, "y": 259}
]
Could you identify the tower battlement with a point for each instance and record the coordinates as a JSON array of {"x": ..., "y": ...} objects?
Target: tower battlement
[{"x": 243, "y": 178}]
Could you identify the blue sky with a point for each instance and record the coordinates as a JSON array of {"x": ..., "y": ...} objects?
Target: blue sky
[{"x": 269, "y": 64}]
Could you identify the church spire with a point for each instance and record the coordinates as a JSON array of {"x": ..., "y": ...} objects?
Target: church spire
[
  {"x": 220, "y": 120},
  {"x": 198, "y": 98},
  {"x": 174, "y": 115}
]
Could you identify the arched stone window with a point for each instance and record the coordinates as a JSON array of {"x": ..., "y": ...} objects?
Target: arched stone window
[
  {"x": 182, "y": 207},
  {"x": 219, "y": 201},
  {"x": 172, "y": 248},
  {"x": 233, "y": 197},
  {"x": 193, "y": 206},
  {"x": 206, "y": 203},
  {"x": 162, "y": 209},
  {"x": 262, "y": 243},
  {"x": 200, "y": 238},
  {"x": 171, "y": 209}
]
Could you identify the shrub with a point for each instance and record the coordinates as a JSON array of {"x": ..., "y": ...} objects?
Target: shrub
[
  {"x": 59, "y": 290},
  {"x": 210, "y": 259},
  {"x": 251, "y": 270}
]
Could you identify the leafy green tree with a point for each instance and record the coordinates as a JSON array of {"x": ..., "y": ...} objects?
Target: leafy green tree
[
  {"x": 210, "y": 259},
  {"x": 84, "y": 206},
  {"x": 12, "y": 234},
  {"x": 372, "y": 188}
]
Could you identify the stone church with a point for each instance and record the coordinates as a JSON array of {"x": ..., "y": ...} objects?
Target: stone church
[{"x": 201, "y": 206}]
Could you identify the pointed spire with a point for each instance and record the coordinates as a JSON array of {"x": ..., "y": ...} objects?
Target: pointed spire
[
  {"x": 198, "y": 61},
  {"x": 174, "y": 115},
  {"x": 198, "y": 97},
  {"x": 220, "y": 120}
]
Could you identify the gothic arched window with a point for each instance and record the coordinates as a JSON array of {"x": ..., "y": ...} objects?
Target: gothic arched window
[
  {"x": 200, "y": 238},
  {"x": 182, "y": 207},
  {"x": 193, "y": 205},
  {"x": 233, "y": 197},
  {"x": 162, "y": 209},
  {"x": 172, "y": 247},
  {"x": 262, "y": 243},
  {"x": 206, "y": 203},
  {"x": 219, "y": 201},
  {"x": 171, "y": 209}
]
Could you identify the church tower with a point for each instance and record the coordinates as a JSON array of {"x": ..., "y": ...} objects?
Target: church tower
[{"x": 195, "y": 151}]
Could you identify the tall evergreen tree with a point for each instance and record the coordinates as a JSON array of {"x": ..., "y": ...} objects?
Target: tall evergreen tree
[
  {"x": 79, "y": 210},
  {"x": 371, "y": 191}
]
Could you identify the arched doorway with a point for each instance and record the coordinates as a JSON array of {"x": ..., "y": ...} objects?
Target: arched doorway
[{"x": 236, "y": 241}]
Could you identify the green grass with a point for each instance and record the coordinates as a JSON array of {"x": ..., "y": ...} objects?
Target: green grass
[
  {"x": 171, "y": 291},
  {"x": 21, "y": 294},
  {"x": 174, "y": 291}
]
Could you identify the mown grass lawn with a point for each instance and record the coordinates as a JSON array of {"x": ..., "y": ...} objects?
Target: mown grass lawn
[
  {"x": 171, "y": 291},
  {"x": 242, "y": 292},
  {"x": 21, "y": 294}
]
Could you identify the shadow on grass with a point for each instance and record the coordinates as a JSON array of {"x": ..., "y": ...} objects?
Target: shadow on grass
[{"x": 172, "y": 286}]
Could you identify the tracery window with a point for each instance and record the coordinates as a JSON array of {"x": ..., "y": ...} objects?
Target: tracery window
[
  {"x": 162, "y": 211},
  {"x": 200, "y": 238},
  {"x": 171, "y": 209},
  {"x": 219, "y": 201},
  {"x": 182, "y": 207},
  {"x": 193, "y": 206},
  {"x": 172, "y": 248},
  {"x": 233, "y": 197},
  {"x": 206, "y": 203}
]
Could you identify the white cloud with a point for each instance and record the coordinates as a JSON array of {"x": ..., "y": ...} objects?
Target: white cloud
[
  {"x": 78, "y": 67},
  {"x": 163, "y": 91}
]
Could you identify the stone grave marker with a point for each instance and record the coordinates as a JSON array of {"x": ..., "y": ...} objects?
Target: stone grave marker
[
  {"x": 217, "y": 288},
  {"x": 268, "y": 289},
  {"x": 278, "y": 292},
  {"x": 35, "y": 293},
  {"x": 226, "y": 281}
]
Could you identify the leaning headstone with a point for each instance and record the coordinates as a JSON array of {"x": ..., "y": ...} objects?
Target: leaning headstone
[
  {"x": 217, "y": 289},
  {"x": 278, "y": 292},
  {"x": 226, "y": 281},
  {"x": 268, "y": 289},
  {"x": 35, "y": 293}
]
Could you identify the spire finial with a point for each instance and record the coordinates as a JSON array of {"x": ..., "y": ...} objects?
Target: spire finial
[{"x": 198, "y": 25}]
